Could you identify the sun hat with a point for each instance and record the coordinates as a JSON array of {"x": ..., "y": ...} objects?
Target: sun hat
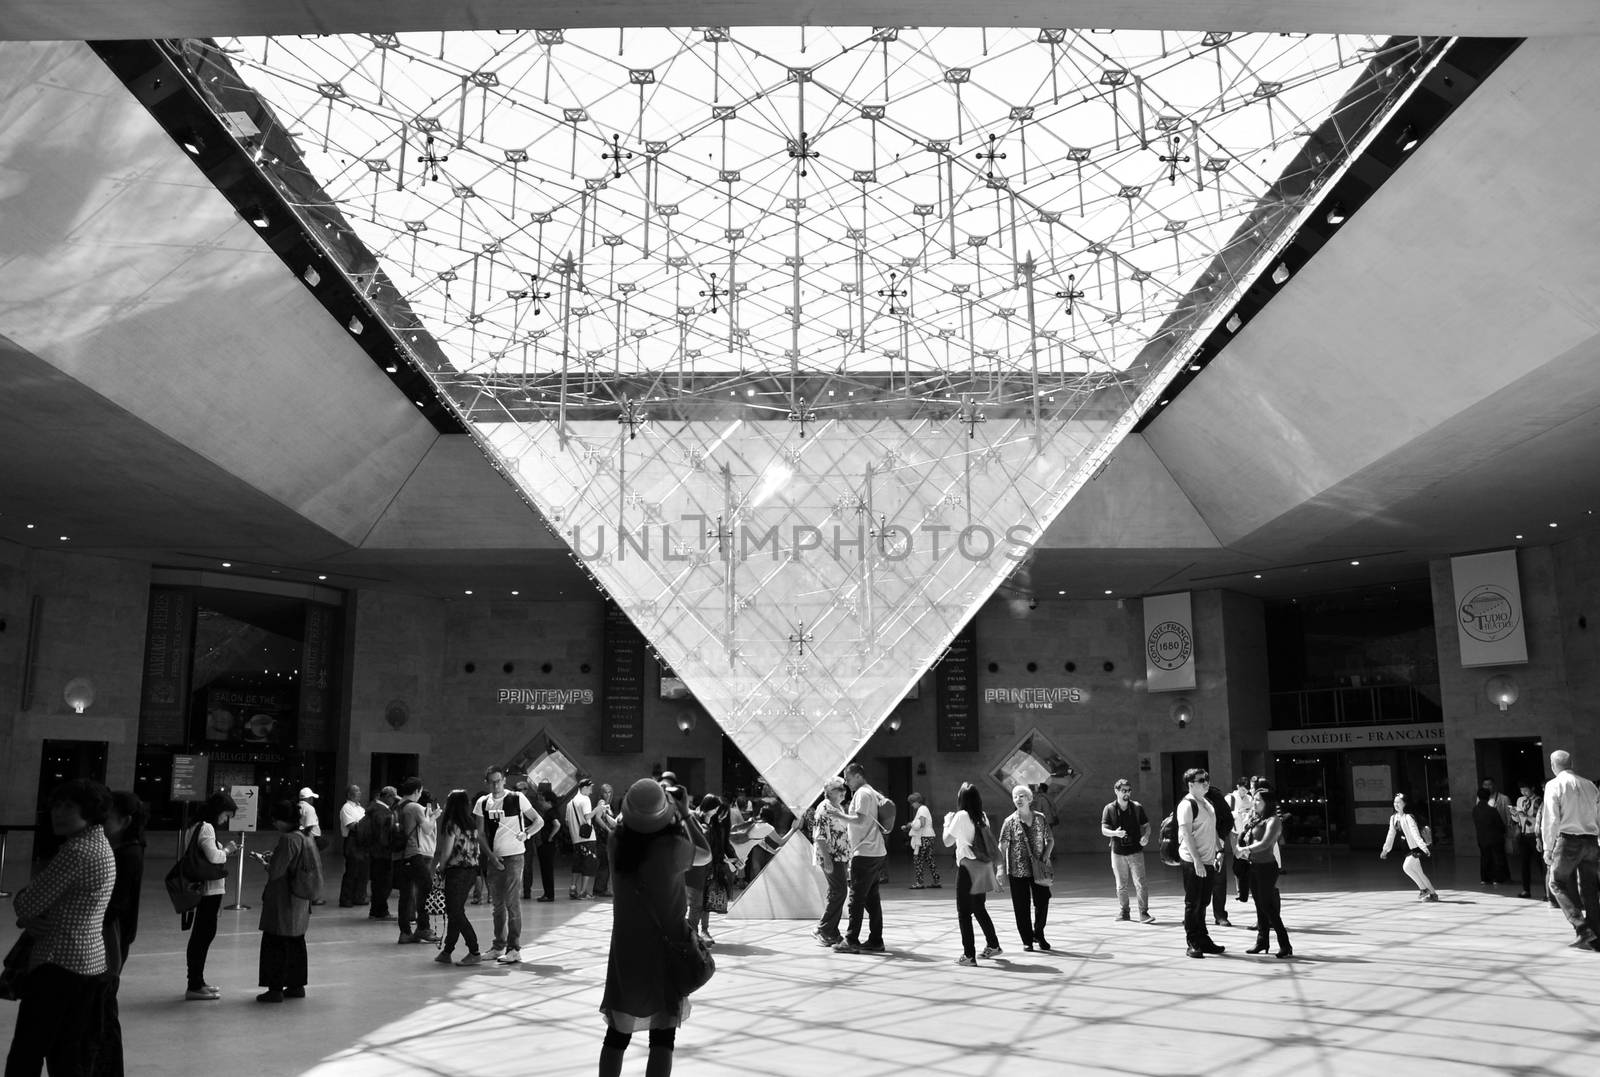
[{"x": 645, "y": 807}]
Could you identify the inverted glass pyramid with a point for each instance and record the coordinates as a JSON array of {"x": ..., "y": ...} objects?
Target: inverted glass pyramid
[{"x": 801, "y": 337}]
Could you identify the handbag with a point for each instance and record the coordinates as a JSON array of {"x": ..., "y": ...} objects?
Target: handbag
[
  {"x": 434, "y": 904},
  {"x": 14, "y": 976},
  {"x": 1043, "y": 873},
  {"x": 186, "y": 890},
  {"x": 982, "y": 875},
  {"x": 717, "y": 896}
]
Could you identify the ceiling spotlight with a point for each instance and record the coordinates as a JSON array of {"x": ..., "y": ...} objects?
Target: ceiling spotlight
[
  {"x": 1280, "y": 274},
  {"x": 1258, "y": 575},
  {"x": 1337, "y": 215},
  {"x": 391, "y": 369},
  {"x": 516, "y": 592},
  {"x": 1194, "y": 366},
  {"x": 469, "y": 592},
  {"x": 64, "y": 538},
  {"x": 191, "y": 141},
  {"x": 227, "y": 564},
  {"x": 1355, "y": 562},
  {"x": 1233, "y": 323},
  {"x": 322, "y": 577},
  {"x": 1519, "y": 536},
  {"x": 1108, "y": 591},
  {"x": 1408, "y": 139},
  {"x": 30, "y": 527},
  {"x": 1061, "y": 592},
  {"x": 1553, "y": 525}
]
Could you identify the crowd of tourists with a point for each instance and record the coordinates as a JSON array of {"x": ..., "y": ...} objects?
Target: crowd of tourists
[{"x": 668, "y": 862}]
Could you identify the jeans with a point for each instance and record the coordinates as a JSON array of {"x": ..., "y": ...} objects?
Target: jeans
[
  {"x": 1196, "y": 896},
  {"x": 864, "y": 873},
  {"x": 970, "y": 907},
  {"x": 1269, "y": 903},
  {"x": 457, "y": 885},
  {"x": 1128, "y": 871},
  {"x": 1023, "y": 893},
  {"x": 547, "y": 869},
  {"x": 924, "y": 861},
  {"x": 1492, "y": 866},
  {"x": 381, "y": 872},
  {"x": 415, "y": 882},
  {"x": 1219, "y": 885},
  {"x": 201, "y": 932},
  {"x": 59, "y": 1021},
  {"x": 1241, "y": 875},
  {"x": 504, "y": 883},
  {"x": 1528, "y": 852},
  {"x": 1573, "y": 875},
  {"x": 353, "y": 887},
  {"x": 838, "y": 875}
]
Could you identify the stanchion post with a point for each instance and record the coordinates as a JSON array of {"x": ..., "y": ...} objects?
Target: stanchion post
[{"x": 238, "y": 897}]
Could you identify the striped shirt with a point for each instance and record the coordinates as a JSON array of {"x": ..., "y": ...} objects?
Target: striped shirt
[{"x": 71, "y": 895}]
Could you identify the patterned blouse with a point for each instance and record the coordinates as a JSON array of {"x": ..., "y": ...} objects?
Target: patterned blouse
[
  {"x": 71, "y": 895},
  {"x": 464, "y": 850},
  {"x": 831, "y": 837},
  {"x": 1018, "y": 864}
]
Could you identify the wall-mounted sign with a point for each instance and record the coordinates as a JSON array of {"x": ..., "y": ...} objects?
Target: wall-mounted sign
[
  {"x": 1168, "y": 643},
  {"x": 168, "y": 641},
  {"x": 956, "y": 686},
  {"x": 1359, "y": 736},
  {"x": 1033, "y": 699},
  {"x": 189, "y": 776},
  {"x": 622, "y": 678},
  {"x": 1489, "y": 609},
  {"x": 544, "y": 699}
]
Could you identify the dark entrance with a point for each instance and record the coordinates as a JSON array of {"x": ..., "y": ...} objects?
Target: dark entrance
[
  {"x": 1173, "y": 766},
  {"x": 391, "y": 768},
  {"x": 1510, "y": 761},
  {"x": 61, "y": 761}
]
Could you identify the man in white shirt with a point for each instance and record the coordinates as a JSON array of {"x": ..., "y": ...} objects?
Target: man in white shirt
[
  {"x": 580, "y": 824},
  {"x": 310, "y": 825},
  {"x": 868, "y": 855},
  {"x": 1571, "y": 830},
  {"x": 353, "y": 887},
  {"x": 1200, "y": 854},
  {"x": 504, "y": 817}
]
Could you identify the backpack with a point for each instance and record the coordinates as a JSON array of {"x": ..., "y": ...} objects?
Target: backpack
[
  {"x": 1169, "y": 836},
  {"x": 886, "y": 815},
  {"x": 369, "y": 833}
]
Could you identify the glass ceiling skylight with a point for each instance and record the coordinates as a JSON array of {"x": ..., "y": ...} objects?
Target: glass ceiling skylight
[
  {"x": 801, "y": 338},
  {"x": 900, "y": 206}
]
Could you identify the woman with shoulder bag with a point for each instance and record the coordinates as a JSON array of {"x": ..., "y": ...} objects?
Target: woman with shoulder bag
[
  {"x": 1257, "y": 842},
  {"x": 1026, "y": 845},
  {"x": 1404, "y": 823},
  {"x": 215, "y": 813},
  {"x": 456, "y": 858},
  {"x": 294, "y": 881},
  {"x": 580, "y": 820},
  {"x": 658, "y": 841},
  {"x": 967, "y": 828}
]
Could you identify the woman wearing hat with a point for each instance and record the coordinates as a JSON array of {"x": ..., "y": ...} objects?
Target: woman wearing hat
[{"x": 658, "y": 841}]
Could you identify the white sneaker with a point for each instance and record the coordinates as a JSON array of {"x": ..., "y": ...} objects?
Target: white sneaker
[
  {"x": 510, "y": 957},
  {"x": 493, "y": 953}
]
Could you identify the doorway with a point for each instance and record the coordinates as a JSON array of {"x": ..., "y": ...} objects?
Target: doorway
[
  {"x": 62, "y": 761},
  {"x": 391, "y": 768},
  {"x": 895, "y": 772},
  {"x": 1510, "y": 761},
  {"x": 1173, "y": 767},
  {"x": 691, "y": 772}
]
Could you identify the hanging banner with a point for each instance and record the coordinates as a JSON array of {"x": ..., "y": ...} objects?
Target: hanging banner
[
  {"x": 317, "y": 721},
  {"x": 1489, "y": 609},
  {"x": 1168, "y": 643},
  {"x": 168, "y": 641}
]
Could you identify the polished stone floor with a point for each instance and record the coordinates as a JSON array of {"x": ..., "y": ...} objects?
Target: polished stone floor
[{"x": 1479, "y": 983}]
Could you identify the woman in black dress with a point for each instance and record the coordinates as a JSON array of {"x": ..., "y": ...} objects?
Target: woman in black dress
[
  {"x": 658, "y": 841},
  {"x": 1257, "y": 845}
]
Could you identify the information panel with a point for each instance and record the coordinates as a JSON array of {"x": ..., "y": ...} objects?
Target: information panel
[
  {"x": 189, "y": 775},
  {"x": 622, "y": 677},
  {"x": 247, "y": 797},
  {"x": 956, "y": 711}
]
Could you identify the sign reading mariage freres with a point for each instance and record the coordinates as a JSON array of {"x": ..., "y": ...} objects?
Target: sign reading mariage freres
[
  {"x": 544, "y": 699},
  {"x": 1168, "y": 643},
  {"x": 1489, "y": 609}
]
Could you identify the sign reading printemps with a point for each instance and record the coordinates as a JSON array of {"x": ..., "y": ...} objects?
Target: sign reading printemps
[
  {"x": 1356, "y": 736},
  {"x": 544, "y": 699},
  {"x": 1033, "y": 699}
]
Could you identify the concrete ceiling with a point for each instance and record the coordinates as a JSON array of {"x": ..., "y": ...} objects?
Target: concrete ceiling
[
  {"x": 49, "y": 20},
  {"x": 1427, "y": 385}
]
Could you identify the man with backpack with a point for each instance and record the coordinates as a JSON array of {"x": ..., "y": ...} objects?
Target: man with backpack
[
  {"x": 1128, "y": 827},
  {"x": 1200, "y": 857},
  {"x": 506, "y": 819},
  {"x": 375, "y": 834},
  {"x": 868, "y": 855}
]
